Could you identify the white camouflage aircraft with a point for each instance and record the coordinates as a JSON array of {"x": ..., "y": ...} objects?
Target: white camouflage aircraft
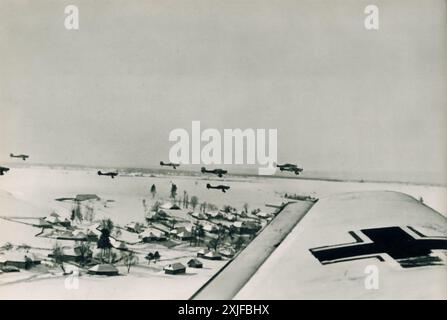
[{"x": 362, "y": 245}]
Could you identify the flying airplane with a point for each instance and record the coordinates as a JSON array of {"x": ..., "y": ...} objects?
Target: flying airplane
[
  {"x": 22, "y": 156},
  {"x": 290, "y": 167},
  {"x": 170, "y": 164},
  {"x": 110, "y": 174},
  {"x": 218, "y": 172},
  {"x": 219, "y": 187},
  {"x": 356, "y": 245},
  {"x": 3, "y": 170}
]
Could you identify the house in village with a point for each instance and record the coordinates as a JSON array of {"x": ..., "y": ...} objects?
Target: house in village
[
  {"x": 156, "y": 215},
  {"x": 79, "y": 235},
  {"x": 202, "y": 252},
  {"x": 169, "y": 206},
  {"x": 86, "y": 197},
  {"x": 199, "y": 215},
  {"x": 246, "y": 227},
  {"x": 92, "y": 235},
  {"x": 56, "y": 219},
  {"x": 229, "y": 216},
  {"x": 103, "y": 270},
  {"x": 19, "y": 260},
  {"x": 227, "y": 252},
  {"x": 212, "y": 255},
  {"x": 210, "y": 227},
  {"x": 9, "y": 269},
  {"x": 134, "y": 227},
  {"x": 74, "y": 255},
  {"x": 175, "y": 268},
  {"x": 195, "y": 263},
  {"x": 264, "y": 215},
  {"x": 184, "y": 235},
  {"x": 152, "y": 234},
  {"x": 214, "y": 214},
  {"x": 122, "y": 246},
  {"x": 42, "y": 223}
]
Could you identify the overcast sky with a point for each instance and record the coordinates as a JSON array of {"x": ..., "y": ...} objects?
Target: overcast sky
[{"x": 342, "y": 98}]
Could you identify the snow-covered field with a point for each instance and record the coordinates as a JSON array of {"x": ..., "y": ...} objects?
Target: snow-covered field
[{"x": 30, "y": 192}]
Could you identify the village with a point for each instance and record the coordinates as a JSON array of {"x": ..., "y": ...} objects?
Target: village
[{"x": 173, "y": 236}]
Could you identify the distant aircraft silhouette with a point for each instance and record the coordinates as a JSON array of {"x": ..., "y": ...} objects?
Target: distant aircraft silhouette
[
  {"x": 219, "y": 187},
  {"x": 219, "y": 172},
  {"x": 3, "y": 170},
  {"x": 110, "y": 174},
  {"x": 170, "y": 164},
  {"x": 22, "y": 156},
  {"x": 290, "y": 167}
]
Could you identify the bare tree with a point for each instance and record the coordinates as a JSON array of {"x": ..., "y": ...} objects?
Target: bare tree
[
  {"x": 84, "y": 248},
  {"x": 194, "y": 202},
  {"x": 149, "y": 257},
  {"x": 130, "y": 259},
  {"x": 173, "y": 191},
  {"x": 156, "y": 206},
  {"x": 7, "y": 246},
  {"x": 107, "y": 224},
  {"x": 58, "y": 254},
  {"x": 153, "y": 190},
  {"x": 90, "y": 213},
  {"x": 77, "y": 213},
  {"x": 156, "y": 256}
]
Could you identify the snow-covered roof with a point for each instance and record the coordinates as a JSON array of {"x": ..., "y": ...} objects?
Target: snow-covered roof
[
  {"x": 18, "y": 257},
  {"x": 195, "y": 261},
  {"x": 174, "y": 266},
  {"x": 104, "y": 268},
  {"x": 169, "y": 206},
  {"x": 83, "y": 197},
  {"x": 212, "y": 254},
  {"x": 152, "y": 233}
]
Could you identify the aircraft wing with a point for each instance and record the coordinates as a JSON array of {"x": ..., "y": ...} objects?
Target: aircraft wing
[{"x": 363, "y": 245}]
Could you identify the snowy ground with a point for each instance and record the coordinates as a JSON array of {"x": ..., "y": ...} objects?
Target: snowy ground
[{"x": 30, "y": 192}]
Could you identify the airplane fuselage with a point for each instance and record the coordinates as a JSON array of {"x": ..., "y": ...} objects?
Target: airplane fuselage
[
  {"x": 20, "y": 156},
  {"x": 170, "y": 164},
  {"x": 290, "y": 167},
  {"x": 109, "y": 174},
  {"x": 219, "y": 187},
  {"x": 218, "y": 172}
]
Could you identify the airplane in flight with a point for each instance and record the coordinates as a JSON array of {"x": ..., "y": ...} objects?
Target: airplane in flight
[
  {"x": 218, "y": 172},
  {"x": 219, "y": 187},
  {"x": 3, "y": 170},
  {"x": 169, "y": 164},
  {"x": 110, "y": 174},
  {"x": 290, "y": 167},
  {"x": 355, "y": 245},
  {"x": 21, "y": 156}
]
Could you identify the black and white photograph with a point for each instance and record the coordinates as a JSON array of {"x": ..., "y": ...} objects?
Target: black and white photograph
[{"x": 223, "y": 150}]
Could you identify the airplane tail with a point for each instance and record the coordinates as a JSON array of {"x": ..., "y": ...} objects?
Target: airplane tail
[
  {"x": 99, "y": 173},
  {"x": 11, "y": 155},
  {"x": 208, "y": 186},
  {"x": 203, "y": 169},
  {"x": 162, "y": 163}
]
